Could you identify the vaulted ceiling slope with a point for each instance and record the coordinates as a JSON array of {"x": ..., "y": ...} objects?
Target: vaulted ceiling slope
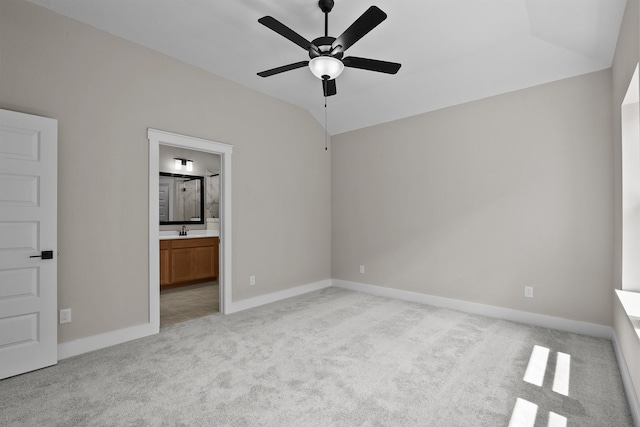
[{"x": 451, "y": 51}]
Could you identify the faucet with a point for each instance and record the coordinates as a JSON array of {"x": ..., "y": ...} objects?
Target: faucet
[{"x": 183, "y": 232}]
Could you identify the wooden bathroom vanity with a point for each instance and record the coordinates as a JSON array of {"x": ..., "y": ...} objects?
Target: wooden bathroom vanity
[{"x": 187, "y": 261}]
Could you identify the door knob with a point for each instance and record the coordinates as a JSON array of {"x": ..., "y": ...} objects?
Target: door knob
[{"x": 44, "y": 255}]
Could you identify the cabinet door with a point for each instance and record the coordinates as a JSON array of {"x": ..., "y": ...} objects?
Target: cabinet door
[
  {"x": 182, "y": 265},
  {"x": 165, "y": 278},
  {"x": 216, "y": 257},
  {"x": 204, "y": 262}
]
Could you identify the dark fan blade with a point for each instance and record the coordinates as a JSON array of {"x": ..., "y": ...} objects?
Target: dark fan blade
[
  {"x": 329, "y": 87},
  {"x": 367, "y": 22},
  {"x": 282, "y": 69},
  {"x": 371, "y": 64},
  {"x": 284, "y": 31}
]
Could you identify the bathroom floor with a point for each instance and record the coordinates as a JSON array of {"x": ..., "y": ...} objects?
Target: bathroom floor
[{"x": 188, "y": 302}]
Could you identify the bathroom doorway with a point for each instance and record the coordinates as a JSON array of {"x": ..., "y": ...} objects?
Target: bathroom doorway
[
  {"x": 189, "y": 203},
  {"x": 189, "y": 291}
]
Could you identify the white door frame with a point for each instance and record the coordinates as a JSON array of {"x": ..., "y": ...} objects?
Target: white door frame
[{"x": 157, "y": 138}]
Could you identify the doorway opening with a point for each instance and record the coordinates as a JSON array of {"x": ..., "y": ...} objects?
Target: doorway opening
[
  {"x": 189, "y": 200},
  {"x": 197, "y": 226}
]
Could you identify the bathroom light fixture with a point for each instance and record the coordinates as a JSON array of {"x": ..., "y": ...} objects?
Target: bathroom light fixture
[
  {"x": 326, "y": 67},
  {"x": 180, "y": 163}
]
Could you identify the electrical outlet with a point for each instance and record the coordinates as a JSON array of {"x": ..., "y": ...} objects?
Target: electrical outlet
[
  {"x": 528, "y": 291},
  {"x": 252, "y": 280},
  {"x": 362, "y": 269},
  {"x": 65, "y": 316}
]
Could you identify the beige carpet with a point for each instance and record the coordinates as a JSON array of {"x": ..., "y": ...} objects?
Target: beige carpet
[{"x": 329, "y": 358}]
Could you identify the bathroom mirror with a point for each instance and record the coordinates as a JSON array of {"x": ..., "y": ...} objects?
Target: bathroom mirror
[{"x": 181, "y": 199}]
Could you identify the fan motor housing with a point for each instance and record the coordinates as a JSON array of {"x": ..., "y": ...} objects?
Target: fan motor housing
[
  {"x": 324, "y": 46},
  {"x": 326, "y": 5}
]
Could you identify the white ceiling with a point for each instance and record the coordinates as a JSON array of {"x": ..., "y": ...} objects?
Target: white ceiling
[{"x": 451, "y": 51}]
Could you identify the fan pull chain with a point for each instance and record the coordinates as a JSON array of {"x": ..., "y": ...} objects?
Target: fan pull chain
[{"x": 326, "y": 129}]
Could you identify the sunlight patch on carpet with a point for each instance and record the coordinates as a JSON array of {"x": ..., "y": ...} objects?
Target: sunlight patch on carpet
[
  {"x": 524, "y": 414},
  {"x": 537, "y": 366},
  {"x": 561, "y": 377},
  {"x": 556, "y": 420}
]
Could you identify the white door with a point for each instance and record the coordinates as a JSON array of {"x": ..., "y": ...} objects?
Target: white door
[{"x": 28, "y": 229}]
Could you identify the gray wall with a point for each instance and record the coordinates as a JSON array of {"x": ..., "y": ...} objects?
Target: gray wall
[
  {"x": 105, "y": 92},
  {"x": 476, "y": 201},
  {"x": 624, "y": 63}
]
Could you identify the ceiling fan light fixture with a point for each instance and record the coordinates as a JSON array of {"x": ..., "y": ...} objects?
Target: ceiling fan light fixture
[
  {"x": 326, "y": 67},
  {"x": 326, "y": 52}
]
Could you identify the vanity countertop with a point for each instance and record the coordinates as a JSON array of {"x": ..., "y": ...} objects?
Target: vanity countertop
[{"x": 191, "y": 234}]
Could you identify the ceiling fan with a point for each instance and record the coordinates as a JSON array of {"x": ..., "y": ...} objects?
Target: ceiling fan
[{"x": 326, "y": 53}]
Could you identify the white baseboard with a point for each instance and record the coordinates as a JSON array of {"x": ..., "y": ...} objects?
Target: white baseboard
[
  {"x": 96, "y": 342},
  {"x": 632, "y": 397},
  {"x": 583, "y": 328},
  {"x": 107, "y": 339},
  {"x": 277, "y": 296}
]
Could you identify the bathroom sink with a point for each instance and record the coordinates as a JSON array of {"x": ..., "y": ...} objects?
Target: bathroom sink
[{"x": 191, "y": 234}]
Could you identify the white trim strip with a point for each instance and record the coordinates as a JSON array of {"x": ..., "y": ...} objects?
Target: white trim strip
[
  {"x": 575, "y": 326},
  {"x": 627, "y": 381},
  {"x": 277, "y": 296},
  {"x": 97, "y": 342}
]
